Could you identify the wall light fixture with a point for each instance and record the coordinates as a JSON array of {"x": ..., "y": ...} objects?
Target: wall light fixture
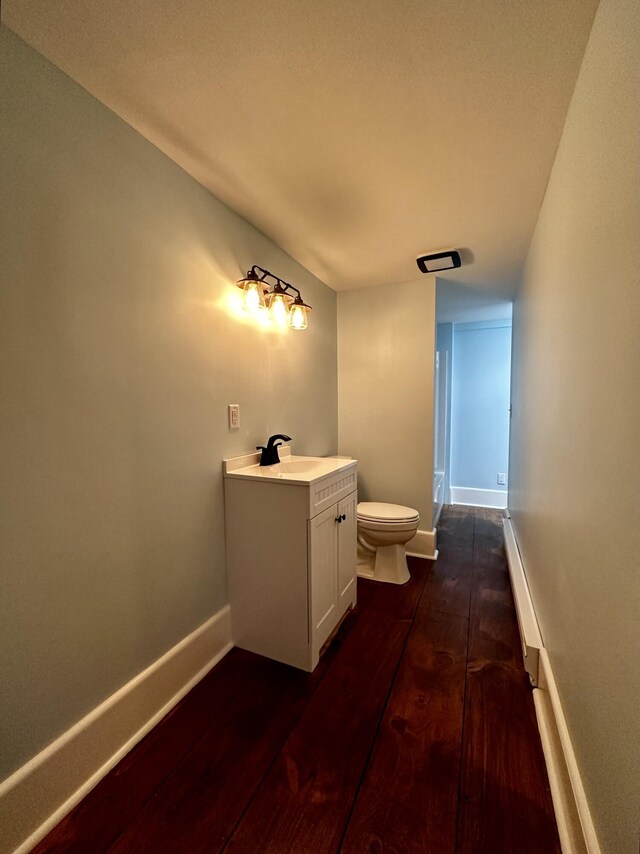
[{"x": 283, "y": 306}]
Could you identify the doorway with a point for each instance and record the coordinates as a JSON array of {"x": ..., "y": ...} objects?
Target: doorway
[{"x": 471, "y": 410}]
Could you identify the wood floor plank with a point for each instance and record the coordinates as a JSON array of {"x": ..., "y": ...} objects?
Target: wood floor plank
[
  {"x": 505, "y": 803},
  {"x": 399, "y": 600},
  {"x": 305, "y": 799},
  {"x": 456, "y": 526},
  {"x": 488, "y": 542},
  {"x": 408, "y": 799},
  {"x": 103, "y": 814},
  {"x": 304, "y": 802},
  {"x": 198, "y": 805},
  {"x": 456, "y": 535},
  {"x": 494, "y": 635},
  {"x": 448, "y": 588}
]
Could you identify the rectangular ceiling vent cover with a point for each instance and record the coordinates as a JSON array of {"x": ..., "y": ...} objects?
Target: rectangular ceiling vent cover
[{"x": 438, "y": 261}]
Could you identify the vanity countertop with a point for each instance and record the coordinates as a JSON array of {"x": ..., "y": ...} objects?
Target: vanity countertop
[{"x": 291, "y": 468}]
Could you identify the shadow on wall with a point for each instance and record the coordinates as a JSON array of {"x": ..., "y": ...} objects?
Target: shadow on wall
[{"x": 459, "y": 303}]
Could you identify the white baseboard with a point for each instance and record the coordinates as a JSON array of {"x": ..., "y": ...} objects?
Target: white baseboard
[
  {"x": 423, "y": 545},
  {"x": 495, "y": 498},
  {"x": 525, "y": 612},
  {"x": 39, "y": 794},
  {"x": 575, "y": 825}
]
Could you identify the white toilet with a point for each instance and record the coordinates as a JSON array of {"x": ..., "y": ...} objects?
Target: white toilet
[{"x": 383, "y": 531}]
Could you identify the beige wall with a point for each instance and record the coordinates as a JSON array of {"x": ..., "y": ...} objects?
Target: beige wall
[
  {"x": 119, "y": 352},
  {"x": 575, "y": 442},
  {"x": 386, "y": 344}
]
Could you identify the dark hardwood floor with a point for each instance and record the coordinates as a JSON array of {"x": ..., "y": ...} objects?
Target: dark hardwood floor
[{"x": 416, "y": 733}]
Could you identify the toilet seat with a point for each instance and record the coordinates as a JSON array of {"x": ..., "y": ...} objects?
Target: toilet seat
[
  {"x": 390, "y": 514},
  {"x": 373, "y": 525}
]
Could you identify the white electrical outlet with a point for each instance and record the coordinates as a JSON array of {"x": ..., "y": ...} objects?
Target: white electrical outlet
[
  {"x": 234, "y": 416},
  {"x": 502, "y": 479}
]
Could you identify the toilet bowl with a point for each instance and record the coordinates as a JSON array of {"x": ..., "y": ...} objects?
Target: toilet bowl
[{"x": 383, "y": 531}]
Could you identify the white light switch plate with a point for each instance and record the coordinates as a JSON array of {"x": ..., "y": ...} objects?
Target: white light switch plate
[
  {"x": 234, "y": 416},
  {"x": 502, "y": 479}
]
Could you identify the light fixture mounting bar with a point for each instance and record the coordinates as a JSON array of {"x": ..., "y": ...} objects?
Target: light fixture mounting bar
[{"x": 280, "y": 285}]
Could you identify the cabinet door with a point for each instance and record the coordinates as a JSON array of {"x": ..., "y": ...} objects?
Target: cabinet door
[
  {"x": 323, "y": 560},
  {"x": 347, "y": 550}
]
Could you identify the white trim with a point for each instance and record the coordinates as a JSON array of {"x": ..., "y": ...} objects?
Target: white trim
[
  {"x": 40, "y": 793},
  {"x": 575, "y": 825},
  {"x": 527, "y": 621},
  {"x": 438, "y": 492},
  {"x": 496, "y": 498},
  {"x": 423, "y": 545},
  {"x": 573, "y": 817}
]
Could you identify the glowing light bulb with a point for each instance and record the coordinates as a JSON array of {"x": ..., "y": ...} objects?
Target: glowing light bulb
[
  {"x": 298, "y": 316},
  {"x": 279, "y": 309},
  {"x": 252, "y": 297}
]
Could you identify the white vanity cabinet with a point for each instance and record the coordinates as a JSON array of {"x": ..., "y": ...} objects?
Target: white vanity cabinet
[{"x": 291, "y": 553}]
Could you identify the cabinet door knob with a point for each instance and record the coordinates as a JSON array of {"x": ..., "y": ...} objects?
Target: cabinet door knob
[
  {"x": 338, "y": 519},
  {"x": 344, "y": 516}
]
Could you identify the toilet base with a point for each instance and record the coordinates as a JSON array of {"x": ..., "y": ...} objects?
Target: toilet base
[{"x": 388, "y": 564}]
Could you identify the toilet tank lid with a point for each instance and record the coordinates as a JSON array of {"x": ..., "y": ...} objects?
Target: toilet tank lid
[{"x": 379, "y": 511}]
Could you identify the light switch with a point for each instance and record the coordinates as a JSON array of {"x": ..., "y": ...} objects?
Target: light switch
[
  {"x": 502, "y": 479},
  {"x": 234, "y": 416}
]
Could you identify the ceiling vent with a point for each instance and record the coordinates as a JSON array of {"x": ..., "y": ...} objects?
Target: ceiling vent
[{"x": 436, "y": 262}]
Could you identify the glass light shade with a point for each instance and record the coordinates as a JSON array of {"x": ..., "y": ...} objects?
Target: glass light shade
[
  {"x": 253, "y": 294},
  {"x": 279, "y": 308},
  {"x": 299, "y": 316}
]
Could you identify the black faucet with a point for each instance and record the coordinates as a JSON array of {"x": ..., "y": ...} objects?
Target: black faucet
[{"x": 270, "y": 454}]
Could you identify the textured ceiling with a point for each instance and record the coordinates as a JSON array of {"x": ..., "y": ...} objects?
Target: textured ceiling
[{"x": 355, "y": 134}]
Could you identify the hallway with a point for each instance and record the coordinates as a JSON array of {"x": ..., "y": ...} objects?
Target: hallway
[{"x": 416, "y": 733}]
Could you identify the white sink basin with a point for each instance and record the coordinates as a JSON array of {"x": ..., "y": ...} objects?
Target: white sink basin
[{"x": 291, "y": 468}]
